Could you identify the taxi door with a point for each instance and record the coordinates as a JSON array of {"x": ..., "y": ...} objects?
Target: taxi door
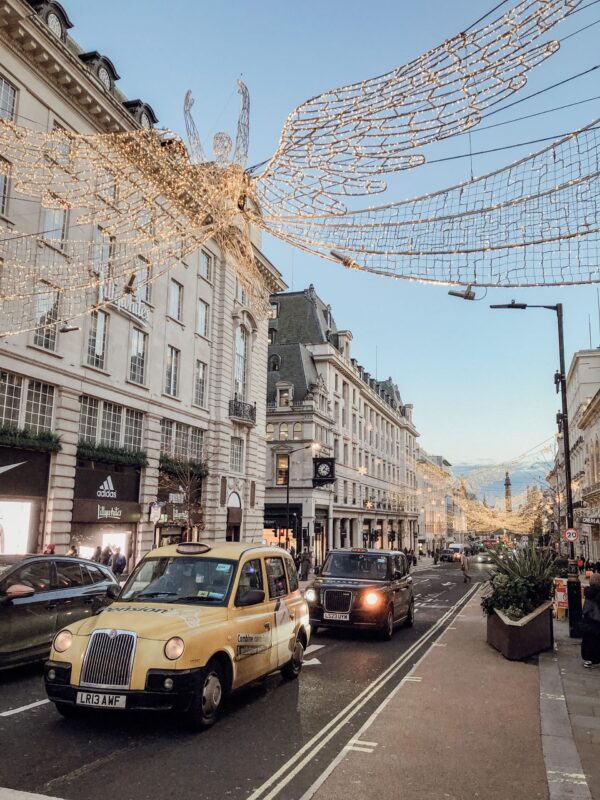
[
  {"x": 251, "y": 627},
  {"x": 401, "y": 583},
  {"x": 283, "y": 610}
]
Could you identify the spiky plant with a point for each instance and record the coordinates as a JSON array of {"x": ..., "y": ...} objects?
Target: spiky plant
[{"x": 519, "y": 581}]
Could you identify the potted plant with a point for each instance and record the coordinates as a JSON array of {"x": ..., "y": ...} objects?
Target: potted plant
[{"x": 517, "y": 602}]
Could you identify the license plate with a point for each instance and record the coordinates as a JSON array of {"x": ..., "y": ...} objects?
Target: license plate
[
  {"x": 101, "y": 700},
  {"x": 336, "y": 615}
]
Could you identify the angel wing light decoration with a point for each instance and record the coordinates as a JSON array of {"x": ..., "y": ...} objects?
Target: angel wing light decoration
[{"x": 141, "y": 200}]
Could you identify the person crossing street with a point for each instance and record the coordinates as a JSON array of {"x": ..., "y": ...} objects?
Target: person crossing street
[{"x": 464, "y": 565}]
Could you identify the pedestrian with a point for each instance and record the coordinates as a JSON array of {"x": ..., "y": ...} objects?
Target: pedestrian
[
  {"x": 72, "y": 551},
  {"x": 97, "y": 555},
  {"x": 305, "y": 562},
  {"x": 598, "y": 566},
  {"x": 49, "y": 550},
  {"x": 106, "y": 556},
  {"x": 464, "y": 565},
  {"x": 293, "y": 552},
  {"x": 436, "y": 556},
  {"x": 580, "y": 564},
  {"x": 590, "y": 623},
  {"x": 118, "y": 562}
]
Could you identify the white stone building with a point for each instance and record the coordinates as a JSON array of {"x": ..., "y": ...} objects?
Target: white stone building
[
  {"x": 441, "y": 518},
  {"x": 176, "y": 371},
  {"x": 318, "y": 394}
]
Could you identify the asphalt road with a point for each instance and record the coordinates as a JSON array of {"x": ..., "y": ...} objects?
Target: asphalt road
[{"x": 273, "y": 740}]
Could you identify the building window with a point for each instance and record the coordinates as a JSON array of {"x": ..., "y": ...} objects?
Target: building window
[
  {"x": 236, "y": 459},
  {"x": 143, "y": 277},
  {"x": 202, "y": 322},
  {"x": 38, "y": 409},
  {"x": 8, "y": 99},
  {"x": 110, "y": 433},
  {"x": 271, "y": 335},
  {"x": 240, "y": 293},
  {"x": 4, "y": 179},
  {"x": 205, "y": 264},
  {"x": 175, "y": 301},
  {"x": 96, "y": 352},
  {"x": 172, "y": 372},
  {"x": 47, "y": 316},
  {"x": 181, "y": 441},
  {"x": 283, "y": 432},
  {"x": 88, "y": 419},
  {"x": 54, "y": 226},
  {"x": 104, "y": 250},
  {"x": 10, "y": 398},
  {"x": 196, "y": 443},
  {"x": 166, "y": 436},
  {"x": 274, "y": 311},
  {"x": 270, "y": 432},
  {"x": 274, "y": 363},
  {"x": 297, "y": 431},
  {"x": 283, "y": 469},
  {"x": 284, "y": 397},
  {"x": 200, "y": 384},
  {"x": 241, "y": 359},
  {"x": 133, "y": 429},
  {"x": 137, "y": 356}
]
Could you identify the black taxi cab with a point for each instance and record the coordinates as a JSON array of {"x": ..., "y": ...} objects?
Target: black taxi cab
[
  {"x": 193, "y": 622},
  {"x": 362, "y": 588}
]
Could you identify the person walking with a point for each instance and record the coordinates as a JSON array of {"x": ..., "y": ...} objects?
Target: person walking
[
  {"x": 118, "y": 562},
  {"x": 49, "y": 550},
  {"x": 464, "y": 565},
  {"x": 97, "y": 555},
  {"x": 590, "y": 623},
  {"x": 72, "y": 551},
  {"x": 305, "y": 562},
  {"x": 106, "y": 556},
  {"x": 580, "y": 564}
]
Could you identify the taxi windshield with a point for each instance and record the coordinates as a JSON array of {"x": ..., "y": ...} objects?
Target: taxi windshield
[
  {"x": 180, "y": 580},
  {"x": 362, "y": 566}
]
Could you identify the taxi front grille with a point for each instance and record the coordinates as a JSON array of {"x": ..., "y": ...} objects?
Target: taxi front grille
[
  {"x": 108, "y": 659},
  {"x": 336, "y": 600}
]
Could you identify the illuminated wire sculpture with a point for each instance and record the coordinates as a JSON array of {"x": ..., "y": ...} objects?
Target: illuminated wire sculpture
[{"x": 142, "y": 201}]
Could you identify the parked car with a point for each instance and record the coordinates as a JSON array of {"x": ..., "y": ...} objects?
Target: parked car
[
  {"x": 39, "y": 595},
  {"x": 362, "y": 588},
  {"x": 447, "y": 555},
  {"x": 193, "y": 622}
]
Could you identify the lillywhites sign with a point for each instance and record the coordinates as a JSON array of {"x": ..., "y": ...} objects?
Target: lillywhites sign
[
  {"x": 113, "y": 512},
  {"x": 107, "y": 489}
]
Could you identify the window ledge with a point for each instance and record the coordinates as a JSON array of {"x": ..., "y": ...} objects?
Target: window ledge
[
  {"x": 95, "y": 369},
  {"x": 8, "y": 221},
  {"x": 202, "y": 408},
  {"x": 139, "y": 385},
  {"x": 43, "y": 350},
  {"x": 205, "y": 279},
  {"x": 205, "y": 338},
  {"x": 170, "y": 396},
  {"x": 176, "y": 321}
]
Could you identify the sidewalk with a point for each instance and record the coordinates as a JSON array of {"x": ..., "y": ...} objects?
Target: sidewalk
[{"x": 463, "y": 725}]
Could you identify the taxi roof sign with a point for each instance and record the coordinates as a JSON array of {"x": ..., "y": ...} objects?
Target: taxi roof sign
[{"x": 192, "y": 548}]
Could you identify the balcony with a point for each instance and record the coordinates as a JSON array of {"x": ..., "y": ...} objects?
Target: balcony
[
  {"x": 587, "y": 491},
  {"x": 242, "y": 412}
]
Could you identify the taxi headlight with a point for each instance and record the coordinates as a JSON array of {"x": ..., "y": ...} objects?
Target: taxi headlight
[
  {"x": 62, "y": 641},
  {"x": 174, "y": 648},
  {"x": 372, "y": 599},
  {"x": 310, "y": 595}
]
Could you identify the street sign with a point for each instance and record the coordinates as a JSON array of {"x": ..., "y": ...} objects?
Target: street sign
[
  {"x": 155, "y": 512},
  {"x": 571, "y": 535}
]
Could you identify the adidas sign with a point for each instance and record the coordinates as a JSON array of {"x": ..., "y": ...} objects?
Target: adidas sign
[{"x": 107, "y": 489}]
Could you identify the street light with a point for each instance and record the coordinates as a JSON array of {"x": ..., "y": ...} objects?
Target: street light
[
  {"x": 315, "y": 448},
  {"x": 560, "y": 381}
]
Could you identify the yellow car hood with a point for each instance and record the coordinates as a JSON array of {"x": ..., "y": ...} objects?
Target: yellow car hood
[{"x": 152, "y": 620}]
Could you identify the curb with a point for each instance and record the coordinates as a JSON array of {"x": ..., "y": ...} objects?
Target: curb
[{"x": 566, "y": 778}]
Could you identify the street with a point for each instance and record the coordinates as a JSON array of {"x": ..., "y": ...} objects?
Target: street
[{"x": 274, "y": 739}]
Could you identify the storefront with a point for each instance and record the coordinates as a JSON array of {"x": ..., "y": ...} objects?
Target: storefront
[
  {"x": 106, "y": 508},
  {"x": 175, "y": 519},
  {"x": 23, "y": 493}
]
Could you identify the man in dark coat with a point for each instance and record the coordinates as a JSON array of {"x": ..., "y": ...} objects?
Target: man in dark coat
[{"x": 590, "y": 623}]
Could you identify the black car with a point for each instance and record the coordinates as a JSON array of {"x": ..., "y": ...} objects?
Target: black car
[
  {"x": 361, "y": 588},
  {"x": 39, "y": 595},
  {"x": 447, "y": 555}
]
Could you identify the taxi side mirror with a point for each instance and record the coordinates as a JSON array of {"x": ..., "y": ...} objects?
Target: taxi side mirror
[
  {"x": 113, "y": 591},
  {"x": 250, "y": 598}
]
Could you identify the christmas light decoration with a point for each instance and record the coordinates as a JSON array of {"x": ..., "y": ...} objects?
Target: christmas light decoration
[{"x": 140, "y": 204}]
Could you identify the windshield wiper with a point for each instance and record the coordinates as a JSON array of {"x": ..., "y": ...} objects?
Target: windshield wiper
[
  {"x": 194, "y": 599},
  {"x": 153, "y": 594}
]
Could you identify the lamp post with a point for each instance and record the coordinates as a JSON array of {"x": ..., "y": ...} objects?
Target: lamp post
[
  {"x": 560, "y": 381},
  {"x": 315, "y": 447}
]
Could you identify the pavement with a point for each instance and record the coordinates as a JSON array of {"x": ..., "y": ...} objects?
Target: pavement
[{"x": 467, "y": 724}]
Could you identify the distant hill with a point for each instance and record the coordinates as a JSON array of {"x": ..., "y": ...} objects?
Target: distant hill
[{"x": 488, "y": 479}]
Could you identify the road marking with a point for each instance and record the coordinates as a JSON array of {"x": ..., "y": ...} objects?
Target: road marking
[
  {"x": 365, "y": 744},
  {"x": 312, "y": 648},
  {"x": 448, "y": 584},
  {"x": 439, "y": 644},
  {"x": 312, "y": 662},
  {"x": 15, "y": 794},
  {"x": 308, "y": 751},
  {"x": 414, "y": 679},
  {"x": 23, "y": 708},
  {"x": 356, "y": 749}
]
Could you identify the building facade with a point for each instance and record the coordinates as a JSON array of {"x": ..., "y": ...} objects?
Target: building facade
[
  {"x": 142, "y": 422},
  {"x": 441, "y": 518},
  {"x": 320, "y": 401}
]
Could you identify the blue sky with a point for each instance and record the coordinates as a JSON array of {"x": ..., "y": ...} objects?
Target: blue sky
[{"x": 481, "y": 381}]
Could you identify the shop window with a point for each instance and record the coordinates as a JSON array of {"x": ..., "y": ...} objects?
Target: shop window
[
  {"x": 282, "y": 469},
  {"x": 276, "y": 577}
]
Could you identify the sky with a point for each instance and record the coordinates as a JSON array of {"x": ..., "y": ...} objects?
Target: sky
[{"x": 481, "y": 381}]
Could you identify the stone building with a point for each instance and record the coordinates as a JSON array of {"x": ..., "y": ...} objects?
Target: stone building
[
  {"x": 98, "y": 417},
  {"x": 320, "y": 400}
]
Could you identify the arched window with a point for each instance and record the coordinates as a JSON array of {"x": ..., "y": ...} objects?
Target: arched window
[
  {"x": 274, "y": 363},
  {"x": 297, "y": 431},
  {"x": 241, "y": 358},
  {"x": 270, "y": 430},
  {"x": 283, "y": 431}
]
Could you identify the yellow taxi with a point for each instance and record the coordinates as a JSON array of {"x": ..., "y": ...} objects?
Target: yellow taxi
[{"x": 193, "y": 622}]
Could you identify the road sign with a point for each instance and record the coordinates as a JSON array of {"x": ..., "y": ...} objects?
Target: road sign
[{"x": 571, "y": 535}]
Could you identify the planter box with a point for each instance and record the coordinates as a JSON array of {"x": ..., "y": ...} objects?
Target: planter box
[{"x": 522, "y": 638}]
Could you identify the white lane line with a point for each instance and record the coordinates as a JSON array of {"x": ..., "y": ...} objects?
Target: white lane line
[
  {"x": 311, "y": 662},
  {"x": 414, "y": 679},
  {"x": 23, "y": 708},
  {"x": 439, "y": 644},
  {"x": 313, "y": 746},
  {"x": 15, "y": 794},
  {"x": 356, "y": 749},
  {"x": 365, "y": 744},
  {"x": 312, "y": 648}
]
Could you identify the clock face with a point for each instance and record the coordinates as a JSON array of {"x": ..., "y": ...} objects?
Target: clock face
[
  {"x": 324, "y": 470},
  {"x": 145, "y": 120},
  {"x": 54, "y": 24},
  {"x": 104, "y": 77}
]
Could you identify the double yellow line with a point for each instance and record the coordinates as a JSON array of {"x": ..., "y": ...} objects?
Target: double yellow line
[{"x": 288, "y": 771}]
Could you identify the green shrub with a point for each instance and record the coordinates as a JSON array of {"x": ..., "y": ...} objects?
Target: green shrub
[
  {"x": 111, "y": 455},
  {"x": 519, "y": 582},
  {"x": 25, "y": 439}
]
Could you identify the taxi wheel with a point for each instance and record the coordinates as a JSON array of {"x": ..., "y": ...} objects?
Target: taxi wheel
[
  {"x": 292, "y": 669},
  {"x": 207, "y": 702},
  {"x": 387, "y": 629},
  {"x": 410, "y": 620}
]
